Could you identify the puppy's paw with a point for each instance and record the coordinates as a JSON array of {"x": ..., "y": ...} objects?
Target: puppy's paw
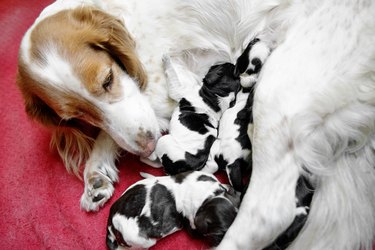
[
  {"x": 248, "y": 81},
  {"x": 302, "y": 210},
  {"x": 152, "y": 161},
  {"x": 98, "y": 189}
]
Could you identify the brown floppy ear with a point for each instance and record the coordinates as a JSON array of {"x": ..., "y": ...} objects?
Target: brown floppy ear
[
  {"x": 71, "y": 139},
  {"x": 35, "y": 107},
  {"x": 113, "y": 37}
]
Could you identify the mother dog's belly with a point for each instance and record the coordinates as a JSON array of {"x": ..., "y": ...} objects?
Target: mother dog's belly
[{"x": 308, "y": 81}]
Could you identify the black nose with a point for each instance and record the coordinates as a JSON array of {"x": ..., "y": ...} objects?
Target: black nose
[{"x": 257, "y": 64}]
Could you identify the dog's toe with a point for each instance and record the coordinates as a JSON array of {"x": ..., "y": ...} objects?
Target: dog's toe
[{"x": 98, "y": 189}]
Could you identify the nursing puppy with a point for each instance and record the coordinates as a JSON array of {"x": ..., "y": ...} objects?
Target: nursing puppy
[
  {"x": 158, "y": 206},
  {"x": 231, "y": 150},
  {"x": 193, "y": 126}
]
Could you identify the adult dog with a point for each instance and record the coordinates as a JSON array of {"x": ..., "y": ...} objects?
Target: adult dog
[{"x": 314, "y": 103}]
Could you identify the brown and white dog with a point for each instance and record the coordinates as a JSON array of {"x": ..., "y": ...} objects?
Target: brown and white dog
[{"x": 97, "y": 63}]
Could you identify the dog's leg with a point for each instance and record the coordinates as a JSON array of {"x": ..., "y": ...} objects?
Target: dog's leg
[
  {"x": 269, "y": 205},
  {"x": 100, "y": 173},
  {"x": 179, "y": 78},
  {"x": 304, "y": 195}
]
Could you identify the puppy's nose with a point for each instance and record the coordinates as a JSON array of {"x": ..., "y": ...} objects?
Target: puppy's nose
[{"x": 146, "y": 142}]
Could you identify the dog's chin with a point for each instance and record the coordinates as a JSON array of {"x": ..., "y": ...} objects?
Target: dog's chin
[
  {"x": 132, "y": 147},
  {"x": 146, "y": 153}
]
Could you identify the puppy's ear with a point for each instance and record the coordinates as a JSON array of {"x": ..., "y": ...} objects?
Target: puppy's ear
[
  {"x": 212, "y": 75},
  {"x": 216, "y": 72},
  {"x": 112, "y": 36}
]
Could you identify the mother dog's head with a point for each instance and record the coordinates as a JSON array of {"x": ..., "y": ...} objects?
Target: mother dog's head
[{"x": 80, "y": 66}]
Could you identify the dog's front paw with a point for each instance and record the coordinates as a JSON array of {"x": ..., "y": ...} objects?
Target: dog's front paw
[{"x": 98, "y": 189}]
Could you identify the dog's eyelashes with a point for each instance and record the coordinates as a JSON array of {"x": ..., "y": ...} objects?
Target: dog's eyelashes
[{"x": 108, "y": 81}]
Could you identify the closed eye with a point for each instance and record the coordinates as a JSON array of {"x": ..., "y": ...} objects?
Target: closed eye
[{"x": 107, "y": 84}]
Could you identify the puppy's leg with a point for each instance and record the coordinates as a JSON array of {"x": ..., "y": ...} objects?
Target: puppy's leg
[
  {"x": 211, "y": 164},
  {"x": 234, "y": 172},
  {"x": 100, "y": 173}
]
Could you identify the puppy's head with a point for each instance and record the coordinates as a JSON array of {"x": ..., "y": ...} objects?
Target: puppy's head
[
  {"x": 250, "y": 62},
  {"x": 142, "y": 215},
  {"x": 82, "y": 64},
  {"x": 214, "y": 218},
  {"x": 220, "y": 86}
]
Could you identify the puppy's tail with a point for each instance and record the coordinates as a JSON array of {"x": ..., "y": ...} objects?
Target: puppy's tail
[{"x": 146, "y": 175}]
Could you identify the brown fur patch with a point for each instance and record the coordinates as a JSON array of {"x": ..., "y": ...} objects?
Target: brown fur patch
[
  {"x": 95, "y": 44},
  {"x": 60, "y": 111}
]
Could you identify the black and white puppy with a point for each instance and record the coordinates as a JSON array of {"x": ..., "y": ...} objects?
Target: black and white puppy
[
  {"x": 232, "y": 148},
  {"x": 231, "y": 151},
  {"x": 193, "y": 126},
  {"x": 155, "y": 207}
]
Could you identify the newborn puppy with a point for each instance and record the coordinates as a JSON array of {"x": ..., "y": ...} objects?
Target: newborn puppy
[
  {"x": 193, "y": 126},
  {"x": 155, "y": 207},
  {"x": 232, "y": 148}
]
